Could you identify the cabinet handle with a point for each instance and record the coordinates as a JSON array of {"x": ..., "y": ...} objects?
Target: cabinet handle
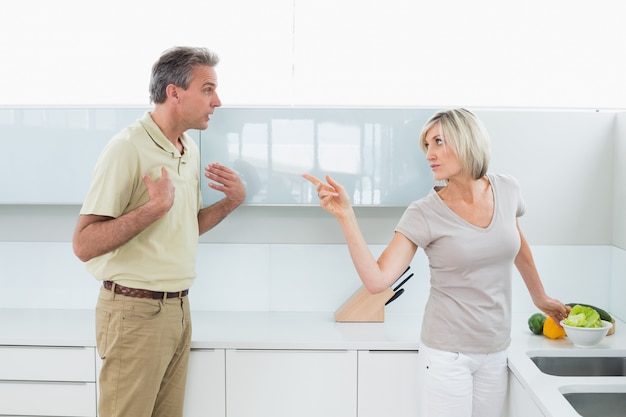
[
  {"x": 293, "y": 350},
  {"x": 33, "y": 382}
]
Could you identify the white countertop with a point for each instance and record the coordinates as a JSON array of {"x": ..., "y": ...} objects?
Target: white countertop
[
  {"x": 302, "y": 330},
  {"x": 546, "y": 389},
  {"x": 318, "y": 330},
  {"x": 224, "y": 330},
  {"x": 34, "y": 327}
]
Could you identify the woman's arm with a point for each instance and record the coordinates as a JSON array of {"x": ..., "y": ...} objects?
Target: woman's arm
[
  {"x": 525, "y": 264},
  {"x": 376, "y": 275}
]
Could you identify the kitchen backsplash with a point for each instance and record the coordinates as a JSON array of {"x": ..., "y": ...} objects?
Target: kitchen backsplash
[{"x": 292, "y": 277}]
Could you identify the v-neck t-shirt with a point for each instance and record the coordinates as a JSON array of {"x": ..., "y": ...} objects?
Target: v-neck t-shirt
[{"x": 469, "y": 305}]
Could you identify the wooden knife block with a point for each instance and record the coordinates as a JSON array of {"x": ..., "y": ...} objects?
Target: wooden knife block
[{"x": 364, "y": 307}]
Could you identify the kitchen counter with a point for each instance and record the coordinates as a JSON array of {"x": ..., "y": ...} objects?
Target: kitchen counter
[
  {"x": 318, "y": 330},
  {"x": 546, "y": 390},
  {"x": 224, "y": 330}
]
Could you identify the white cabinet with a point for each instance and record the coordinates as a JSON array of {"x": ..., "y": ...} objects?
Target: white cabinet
[
  {"x": 50, "y": 381},
  {"x": 67, "y": 141},
  {"x": 520, "y": 404},
  {"x": 388, "y": 384},
  {"x": 205, "y": 395},
  {"x": 276, "y": 383}
]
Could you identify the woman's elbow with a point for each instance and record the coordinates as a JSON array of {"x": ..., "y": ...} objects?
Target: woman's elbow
[{"x": 374, "y": 288}]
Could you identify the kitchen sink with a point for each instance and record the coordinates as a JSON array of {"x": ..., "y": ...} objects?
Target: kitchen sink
[
  {"x": 581, "y": 366},
  {"x": 598, "y": 404}
]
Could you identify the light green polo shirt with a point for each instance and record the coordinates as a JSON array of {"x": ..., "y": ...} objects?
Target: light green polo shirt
[{"x": 162, "y": 257}]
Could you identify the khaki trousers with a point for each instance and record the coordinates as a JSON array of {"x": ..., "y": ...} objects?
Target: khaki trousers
[{"x": 144, "y": 345}]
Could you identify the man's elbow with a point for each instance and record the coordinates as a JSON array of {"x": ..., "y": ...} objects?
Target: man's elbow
[{"x": 81, "y": 253}]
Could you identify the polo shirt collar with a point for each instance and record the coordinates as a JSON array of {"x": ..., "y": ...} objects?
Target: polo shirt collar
[{"x": 157, "y": 136}]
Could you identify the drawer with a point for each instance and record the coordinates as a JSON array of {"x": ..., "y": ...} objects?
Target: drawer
[
  {"x": 68, "y": 399},
  {"x": 287, "y": 383},
  {"x": 36, "y": 363}
]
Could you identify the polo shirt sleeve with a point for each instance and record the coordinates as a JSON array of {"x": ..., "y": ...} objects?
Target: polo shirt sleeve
[{"x": 115, "y": 177}]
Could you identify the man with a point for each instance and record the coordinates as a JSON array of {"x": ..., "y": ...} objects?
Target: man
[{"x": 138, "y": 232}]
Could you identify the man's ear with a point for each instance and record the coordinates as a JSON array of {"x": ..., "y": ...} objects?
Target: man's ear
[{"x": 172, "y": 91}]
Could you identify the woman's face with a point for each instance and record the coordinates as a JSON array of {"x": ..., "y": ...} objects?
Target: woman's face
[{"x": 440, "y": 157}]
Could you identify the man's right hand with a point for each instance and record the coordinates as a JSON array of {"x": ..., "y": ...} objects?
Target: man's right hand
[{"x": 161, "y": 192}]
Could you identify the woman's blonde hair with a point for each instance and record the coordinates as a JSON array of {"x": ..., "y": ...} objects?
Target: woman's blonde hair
[{"x": 466, "y": 136}]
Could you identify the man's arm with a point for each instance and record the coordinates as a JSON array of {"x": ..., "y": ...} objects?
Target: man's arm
[{"x": 96, "y": 235}]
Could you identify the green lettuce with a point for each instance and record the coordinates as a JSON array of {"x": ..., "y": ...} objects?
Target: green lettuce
[{"x": 581, "y": 316}]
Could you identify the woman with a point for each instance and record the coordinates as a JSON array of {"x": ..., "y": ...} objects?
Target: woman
[{"x": 469, "y": 230}]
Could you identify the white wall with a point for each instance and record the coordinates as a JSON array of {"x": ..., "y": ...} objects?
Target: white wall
[
  {"x": 619, "y": 181},
  {"x": 483, "y": 53},
  {"x": 618, "y": 287}
]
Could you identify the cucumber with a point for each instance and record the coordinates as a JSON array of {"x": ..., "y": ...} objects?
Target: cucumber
[{"x": 603, "y": 314}]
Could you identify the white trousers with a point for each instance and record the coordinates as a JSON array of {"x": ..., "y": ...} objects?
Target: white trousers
[{"x": 462, "y": 384}]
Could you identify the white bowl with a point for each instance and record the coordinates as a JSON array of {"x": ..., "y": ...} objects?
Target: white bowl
[{"x": 587, "y": 337}]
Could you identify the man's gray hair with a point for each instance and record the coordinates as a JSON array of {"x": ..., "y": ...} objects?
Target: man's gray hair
[{"x": 175, "y": 67}]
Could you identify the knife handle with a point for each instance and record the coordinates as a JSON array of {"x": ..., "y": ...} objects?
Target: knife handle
[
  {"x": 403, "y": 281},
  {"x": 395, "y": 295}
]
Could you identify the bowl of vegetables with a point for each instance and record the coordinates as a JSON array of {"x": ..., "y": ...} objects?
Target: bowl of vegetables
[{"x": 584, "y": 327}]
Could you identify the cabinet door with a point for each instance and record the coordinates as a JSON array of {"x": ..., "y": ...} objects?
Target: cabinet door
[
  {"x": 388, "y": 384},
  {"x": 36, "y": 398},
  {"x": 287, "y": 383},
  {"x": 68, "y": 139},
  {"x": 47, "y": 380},
  {"x": 47, "y": 363},
  {"x": 205, "y": 395},
  {"x": 520, "y": 404}
]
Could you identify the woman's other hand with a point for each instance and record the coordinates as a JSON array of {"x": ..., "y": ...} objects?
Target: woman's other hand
[{"x": 553, "y": 308}]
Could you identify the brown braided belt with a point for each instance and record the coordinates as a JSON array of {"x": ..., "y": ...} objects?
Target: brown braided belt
[{"x": 139, "y": 293}]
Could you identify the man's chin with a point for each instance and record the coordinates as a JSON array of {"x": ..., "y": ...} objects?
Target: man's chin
[{"x": 202, "y": 126}]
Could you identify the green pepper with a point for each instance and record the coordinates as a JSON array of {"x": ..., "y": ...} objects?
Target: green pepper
[{"x": 535, "y": 323}]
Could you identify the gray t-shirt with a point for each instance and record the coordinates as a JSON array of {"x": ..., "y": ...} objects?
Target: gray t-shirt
[{"x": 469, "y": 305}]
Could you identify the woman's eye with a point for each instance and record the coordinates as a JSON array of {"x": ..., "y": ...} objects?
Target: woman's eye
[{"x": 439, "y": 141}]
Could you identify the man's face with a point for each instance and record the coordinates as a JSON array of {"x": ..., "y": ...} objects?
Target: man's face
[{"x": 200, "y": 99}]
